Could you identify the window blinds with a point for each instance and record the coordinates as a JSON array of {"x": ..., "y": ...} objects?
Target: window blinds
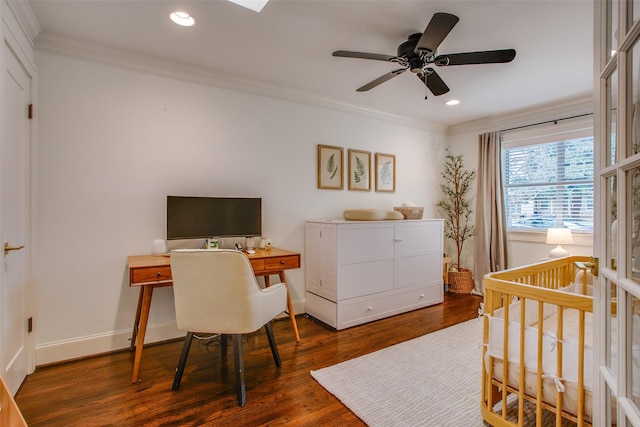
[{"x": 548, "y": 176}]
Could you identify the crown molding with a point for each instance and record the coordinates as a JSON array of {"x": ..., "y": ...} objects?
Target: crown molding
[
  {"x": 567, "y": 107},
  {"x": 25, "y": 17},
  {"x": 52, "y": 43}
]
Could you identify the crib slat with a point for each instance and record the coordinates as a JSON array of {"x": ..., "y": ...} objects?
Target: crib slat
[
  {"x": 539, "y": 379},
  {"x": 581, "y": 370},
  {"x": 505, "y": 356},
  {"x": 523, "y": 317},
  {"x": 559, "y": 359}
]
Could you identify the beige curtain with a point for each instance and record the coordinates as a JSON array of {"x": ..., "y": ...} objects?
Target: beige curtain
[{"x": 491, "y": 239}]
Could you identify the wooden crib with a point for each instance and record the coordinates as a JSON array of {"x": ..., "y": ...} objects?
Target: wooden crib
[{"x": 537, "y": 325}]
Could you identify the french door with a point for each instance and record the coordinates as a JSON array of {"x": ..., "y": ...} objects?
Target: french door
[{"x": 617, "y": 213}]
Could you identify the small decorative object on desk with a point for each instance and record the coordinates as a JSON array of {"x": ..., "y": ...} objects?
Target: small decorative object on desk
[
  {"x": 211, "y": 243},
  {"x": 250, "y": 242},
  {"x": 262, "y": 243},
  {"x": 159, "y": 246}
]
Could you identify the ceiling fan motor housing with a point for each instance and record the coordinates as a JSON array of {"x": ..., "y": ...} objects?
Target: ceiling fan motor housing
[{"x": 407, "y": 50}]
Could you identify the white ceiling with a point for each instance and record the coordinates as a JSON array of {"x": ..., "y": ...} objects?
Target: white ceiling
[{"x": 289, "y": 45}]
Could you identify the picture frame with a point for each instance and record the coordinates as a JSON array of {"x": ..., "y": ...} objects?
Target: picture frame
[
  {"x": 359, "y": 170},
  {"x": 330, "y": 167},
  {"x": 385, "y": 172}
]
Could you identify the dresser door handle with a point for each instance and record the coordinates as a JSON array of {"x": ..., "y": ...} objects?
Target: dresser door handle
[{"x": 281, "y": 262}]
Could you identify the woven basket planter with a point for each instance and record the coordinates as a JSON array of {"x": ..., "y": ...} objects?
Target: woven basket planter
[{"x": 461, "y": 281}]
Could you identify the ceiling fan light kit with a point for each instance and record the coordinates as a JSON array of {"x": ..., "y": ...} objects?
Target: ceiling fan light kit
[{"x": 420, "y": 51}]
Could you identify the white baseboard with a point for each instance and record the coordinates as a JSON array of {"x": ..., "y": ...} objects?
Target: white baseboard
[{"x": 96, "y": 344}]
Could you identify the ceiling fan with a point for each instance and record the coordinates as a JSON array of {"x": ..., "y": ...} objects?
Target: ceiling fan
[{"x": 419, "y": 52}]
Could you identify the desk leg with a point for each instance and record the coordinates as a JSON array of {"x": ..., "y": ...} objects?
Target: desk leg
[
  {"x": 292, "y": 315},
  {"x": 136, "y": 322},
  {"x": 145, "y": 292}
]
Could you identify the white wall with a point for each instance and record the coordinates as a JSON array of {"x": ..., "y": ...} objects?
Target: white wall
[{"x": 114, "y": 143}]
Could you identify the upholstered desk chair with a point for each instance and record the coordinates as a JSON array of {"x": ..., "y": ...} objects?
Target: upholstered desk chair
[{"x": 216, "y": 292}]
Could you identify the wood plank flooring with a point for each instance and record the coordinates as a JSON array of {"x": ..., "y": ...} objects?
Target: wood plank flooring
[{"x": 97, "y": 391}]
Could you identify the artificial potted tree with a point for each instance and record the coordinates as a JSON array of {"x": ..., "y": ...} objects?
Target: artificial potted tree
[{"x": 456, "y": 207}]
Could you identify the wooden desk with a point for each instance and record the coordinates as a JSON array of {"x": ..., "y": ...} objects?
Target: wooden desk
[{"x": 154, "y": 271}]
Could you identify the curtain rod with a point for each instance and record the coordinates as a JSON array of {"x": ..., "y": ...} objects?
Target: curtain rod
[{"x": 555, "y": 121}]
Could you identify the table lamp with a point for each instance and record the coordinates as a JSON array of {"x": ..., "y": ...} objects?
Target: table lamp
[{"x": 559, "y": 236}]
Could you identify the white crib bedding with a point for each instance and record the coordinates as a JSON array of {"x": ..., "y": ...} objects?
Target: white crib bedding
[
  {"x": 551, "y": 381},
  {"x": 568, "y": 381},
  {"x": 549, "y": 389}
]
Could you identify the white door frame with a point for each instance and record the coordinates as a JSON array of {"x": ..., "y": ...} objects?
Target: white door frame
[{"x": 22, "y": 51}]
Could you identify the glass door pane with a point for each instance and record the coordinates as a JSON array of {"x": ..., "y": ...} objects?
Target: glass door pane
[
  {"x": 633, "y": 350},
  {"x": 611, "y": 329},
  {"x": 612, "y": 40},
  {"x": 611, "y": 238},
  {"x": 633, "y": 104},
  {"x": 633, "y": 218},
  {"x": 612, "y": 117},
  {"x": 634, "y": 13}
]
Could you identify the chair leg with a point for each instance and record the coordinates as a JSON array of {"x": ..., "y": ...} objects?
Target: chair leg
[
  {"x": 224, "y": 340},
  {"x": 239, "y": 368},
  {"x": 183, "y": 360},
  {"x": 272, "y": 344}
]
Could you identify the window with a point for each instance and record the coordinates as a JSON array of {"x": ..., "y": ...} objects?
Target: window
[{"x": 547, "y": 175}]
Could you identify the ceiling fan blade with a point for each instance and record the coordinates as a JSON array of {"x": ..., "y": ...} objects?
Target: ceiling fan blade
[
  {"x": 381, "y": 80},
  {"x": 484, "y": 57},
  {"x": 362, "y": 55},
  {"x": 440, "y": 25},
  {"x": 436, "y": 85}
]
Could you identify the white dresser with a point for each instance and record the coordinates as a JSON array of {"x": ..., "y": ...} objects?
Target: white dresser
[{"x": 360, "y": 271}]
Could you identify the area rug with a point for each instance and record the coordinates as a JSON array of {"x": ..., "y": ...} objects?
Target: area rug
[{"x": 433, "y": 380}]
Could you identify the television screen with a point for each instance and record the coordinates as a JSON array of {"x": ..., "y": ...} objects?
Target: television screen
[{"x": 204, "y": 217}]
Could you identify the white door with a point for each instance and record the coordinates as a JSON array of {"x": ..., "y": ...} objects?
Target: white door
[
  {"x": 617, "y": 238},
  {"x": 15, "y": 291}
]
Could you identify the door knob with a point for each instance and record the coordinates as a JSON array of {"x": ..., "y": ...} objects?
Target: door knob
[{"x": 8, "y": 248}]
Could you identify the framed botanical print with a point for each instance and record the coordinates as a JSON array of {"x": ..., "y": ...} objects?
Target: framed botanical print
[
  {"x": 359, "y": 170},
  {"x": 385, "y": 172},
  {"x": 330, "y": 166}
]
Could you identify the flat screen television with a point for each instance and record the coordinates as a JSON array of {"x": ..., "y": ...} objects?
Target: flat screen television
[{"x": 205, "y": 217}]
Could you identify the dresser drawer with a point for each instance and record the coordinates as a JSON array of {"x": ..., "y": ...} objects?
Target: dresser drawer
[
  {"x": 282, "y": 262},
  {"x": 356, "y": 311},
  {"x": 150, "y": 275}
]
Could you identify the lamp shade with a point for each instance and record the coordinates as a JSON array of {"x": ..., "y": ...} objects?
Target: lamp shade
[{"x": 559, "y": 236}]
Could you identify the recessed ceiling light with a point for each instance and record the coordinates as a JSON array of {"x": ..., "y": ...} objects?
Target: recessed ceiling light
[
  {"x": 182, "y": 18},
  {"x": 452, "y": 102},
  {"x": 255, "y": 5}
]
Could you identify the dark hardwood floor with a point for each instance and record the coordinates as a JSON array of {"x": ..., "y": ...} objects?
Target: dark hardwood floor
[{"x": 97, "y": 391}]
